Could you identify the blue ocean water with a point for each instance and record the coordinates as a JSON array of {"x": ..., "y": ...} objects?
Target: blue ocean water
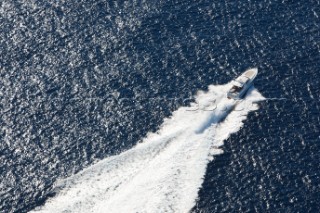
[{"x": 64, "y": 66}]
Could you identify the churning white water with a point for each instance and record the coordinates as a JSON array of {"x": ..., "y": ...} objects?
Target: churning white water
[{"x": 164, "y": 172}]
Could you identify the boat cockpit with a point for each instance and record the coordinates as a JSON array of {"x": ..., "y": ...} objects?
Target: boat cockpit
[{"x": 235, "y": 89}]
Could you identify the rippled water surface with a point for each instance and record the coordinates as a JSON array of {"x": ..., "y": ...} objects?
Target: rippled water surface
[{"x": 83, "y": 80}]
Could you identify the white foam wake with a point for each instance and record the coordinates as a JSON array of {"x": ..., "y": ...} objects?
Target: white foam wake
[{"x": 166, "y": 170}]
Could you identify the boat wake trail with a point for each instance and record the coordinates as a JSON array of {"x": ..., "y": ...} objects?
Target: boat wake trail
[{"x": 164, "y": 172}]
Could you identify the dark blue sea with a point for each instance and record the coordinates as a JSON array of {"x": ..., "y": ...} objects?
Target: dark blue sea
[{"x": 64, "y": 65}]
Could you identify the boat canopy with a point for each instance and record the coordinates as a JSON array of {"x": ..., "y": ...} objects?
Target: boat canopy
[
  {"x": 237, "y": 83},
  {"x": 243, "y": 80}
]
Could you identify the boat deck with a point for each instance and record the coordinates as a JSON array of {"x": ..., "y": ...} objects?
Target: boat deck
[{"x": 250, "y": 74}]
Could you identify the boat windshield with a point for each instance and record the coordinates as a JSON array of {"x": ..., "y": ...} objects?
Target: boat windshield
[{"x": 235, "y": 89}]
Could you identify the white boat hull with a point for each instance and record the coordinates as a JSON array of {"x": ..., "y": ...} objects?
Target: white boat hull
[{"x": 241, "y": 85}]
